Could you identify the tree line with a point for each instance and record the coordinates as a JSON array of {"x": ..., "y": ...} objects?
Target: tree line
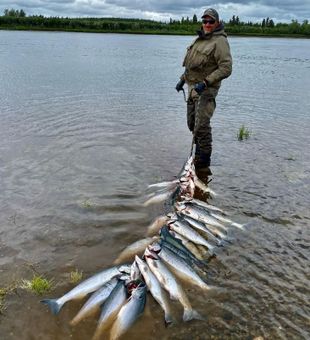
[{"x": 17, "y": 19}]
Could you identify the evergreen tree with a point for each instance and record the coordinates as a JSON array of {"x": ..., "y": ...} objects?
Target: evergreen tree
[{"x": 14, "y": 13}]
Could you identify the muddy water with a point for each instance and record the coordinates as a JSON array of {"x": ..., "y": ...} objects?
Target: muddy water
[{"x": 88, "y": 121}]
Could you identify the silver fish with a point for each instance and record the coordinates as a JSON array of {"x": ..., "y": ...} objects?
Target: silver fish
[
  {"x": 200, "y": 226},
  {"x": 201, "y": 185},
  {"x": 110, "y": 308},
  {"x": 135, "y": 273},
  {"x": 189, "y": 245},
  {"x": 182, "y": 268},
  {"x": 129, "y": 313},
  {"x": 181, "y": 253},
  {"x": 94, "y": 302},
  {"x": 137, "y": 247},
  {"x": 87, "y": 286},
  {"x": 168, "y": 281},
  {"x": 187, "y": 186},
  {"x": 161, "y": 185},
  {"x": 155, "y": 226},
  {"x": 191, "y": 234},
  {"x": 155, "y": 288},
  {"x": 188, "y": 166},
  {"x": 226, "y": 220},
  {"x": 166, "y": 235},
  {"x": 203, "y": 204},
  {"x": 199, "y": 215},
  {"x": 157, "y": 198}
]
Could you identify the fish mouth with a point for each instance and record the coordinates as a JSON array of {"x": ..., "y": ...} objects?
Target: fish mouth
[
  {"x": 171, "y": 221},
  {"x": 151, "y": 257},
  {"x": 135, "y": 284},
  {"x": 150, "y": 254},
  {"x": 156, "y": 248}
]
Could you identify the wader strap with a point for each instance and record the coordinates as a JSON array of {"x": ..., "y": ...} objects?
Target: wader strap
[
  {"x": 184, "y": 95},
  {"x": 192, "y": 147}
]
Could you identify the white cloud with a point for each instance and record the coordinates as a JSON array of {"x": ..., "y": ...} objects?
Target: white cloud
[{"x": 279, "y": 10}]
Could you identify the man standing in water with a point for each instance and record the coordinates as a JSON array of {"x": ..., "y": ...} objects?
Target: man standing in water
[{"x": 207, "y": 62}]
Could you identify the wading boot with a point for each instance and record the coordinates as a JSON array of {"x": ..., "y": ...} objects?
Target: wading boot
[{"x": 202, "y": 165}]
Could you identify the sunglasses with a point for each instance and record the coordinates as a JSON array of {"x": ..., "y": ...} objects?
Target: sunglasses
[{"x": 208, "y": 21}]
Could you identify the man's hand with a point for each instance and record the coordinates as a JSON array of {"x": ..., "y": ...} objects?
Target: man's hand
[
  {"x": 179, "y": 85},
  {"x": 200, "y": 87}
]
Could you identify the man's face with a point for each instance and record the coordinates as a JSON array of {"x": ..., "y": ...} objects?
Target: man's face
[{"x": 209, "y": 24}]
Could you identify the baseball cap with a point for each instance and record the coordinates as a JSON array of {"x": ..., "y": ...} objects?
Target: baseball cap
[{"x": 211, "y": 12}]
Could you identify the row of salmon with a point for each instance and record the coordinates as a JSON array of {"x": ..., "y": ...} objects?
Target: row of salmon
[{"x": 178, "y": 247}]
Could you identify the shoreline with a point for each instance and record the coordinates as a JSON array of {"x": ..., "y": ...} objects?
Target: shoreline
[{"x": 254, "y": 35}]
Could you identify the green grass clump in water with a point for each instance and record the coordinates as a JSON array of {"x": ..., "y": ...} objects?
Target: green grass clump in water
[
  {"x": 76, "y": 276},
  {"x": 2, "y": 305},
  {"x": 38, "y": 285},
  {"x": 3, "y": 292},
  {"x": 87, "y": 204},
  {"x": 243, "y": 133}
]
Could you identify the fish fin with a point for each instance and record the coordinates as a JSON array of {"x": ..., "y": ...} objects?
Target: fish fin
[
  {"x": 53, "y": 305},
  {"x": 190, "y": 314}
]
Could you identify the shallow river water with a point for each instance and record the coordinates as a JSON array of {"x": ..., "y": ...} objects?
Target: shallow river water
[{"x": 89, "y": 120}]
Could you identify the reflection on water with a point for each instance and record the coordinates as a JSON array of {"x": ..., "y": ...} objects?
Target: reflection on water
[{"x": 88, "y": 120}]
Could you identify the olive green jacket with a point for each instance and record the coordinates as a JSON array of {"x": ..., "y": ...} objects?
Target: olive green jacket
[{"x": 208, "y": 58}]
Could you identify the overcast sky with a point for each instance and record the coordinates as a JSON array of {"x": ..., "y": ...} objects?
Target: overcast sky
[{"x": 253, "y": 10}]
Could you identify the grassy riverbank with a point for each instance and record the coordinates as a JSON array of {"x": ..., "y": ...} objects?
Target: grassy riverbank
[{"x": 137, "y": 26}]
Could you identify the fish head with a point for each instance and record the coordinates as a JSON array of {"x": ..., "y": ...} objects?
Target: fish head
[
  {"x": 124, "y": 277},
  {"x": 180, "y": 206},
  {"x": 141, "y": 264},
  {"x": 173, "y": 218},
  {"x": 132, "y": 285},
  {"x": 134, "y": 271},
  {"x": 150, "y": 254},
  {"x": 140, "y": 291},
  {"x": 185, "y": 199},
  {"x": 183, "y": 179},
  {"x": 125, "y": 269},
  {"x": 155, "y": 247}
]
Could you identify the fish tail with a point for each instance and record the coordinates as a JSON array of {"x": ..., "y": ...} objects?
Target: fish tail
[
  {"x": 238, "y": 225},
  {"x": 205, "y": 286},
  {"x": 190, "y": 314},
  {"x": 168, "y": 319},
  {"x": 53, "y": 305},
  {"x": 201, "y": 264},
  {"x": 76, "y": 319},
  {"x": 213, "y": 252}
]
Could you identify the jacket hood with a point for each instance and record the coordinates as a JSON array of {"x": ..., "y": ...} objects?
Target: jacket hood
[{"x": 218, "y": 31}]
